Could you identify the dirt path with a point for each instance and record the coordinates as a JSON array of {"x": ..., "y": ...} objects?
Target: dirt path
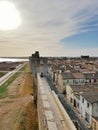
[
  {"x": 17, "y": 111},
  {"x": 13, "y": 89},
  {"x": 9, "y": 110}
]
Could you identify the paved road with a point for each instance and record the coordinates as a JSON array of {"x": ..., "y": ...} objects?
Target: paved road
[
  {"x": 72, "y": 114},
  {"x": 9, "y": 74},
  {"x": 58, "y": 117}
]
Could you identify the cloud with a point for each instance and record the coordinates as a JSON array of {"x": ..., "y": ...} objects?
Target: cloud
[{"x": 45, "y": 23}]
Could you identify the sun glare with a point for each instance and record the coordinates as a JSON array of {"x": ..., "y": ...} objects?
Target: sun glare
[{"x": 9, "y": 16}]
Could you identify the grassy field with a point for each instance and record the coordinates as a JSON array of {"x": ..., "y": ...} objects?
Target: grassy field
[
  {"x": 2, "y": 74},
  {"x": 3, "y": 88},
  {"x": 17, "y": 109},
  {"x": 24, "y": 68}
]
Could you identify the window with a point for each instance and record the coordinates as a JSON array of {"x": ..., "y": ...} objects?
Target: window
[
  {"x": 64, "y": 83},
  {"x": 87, "y": 117},
  {"x": 67, "y": 81},
  {"x": 71, "y": 100},
  {"x": 87, "y": 105},
  {"x": 94, "y": 80},
  {"x": 82, "y": 100},
  {"x": 77, "y": 104}
]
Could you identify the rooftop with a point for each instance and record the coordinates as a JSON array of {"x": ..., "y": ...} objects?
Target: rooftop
[
  {"x": 67, "y": 75},
  {"x": 89, "y": 92},
  {"x": 78, "y": 75},
  {"x": 91, "y": 96}
]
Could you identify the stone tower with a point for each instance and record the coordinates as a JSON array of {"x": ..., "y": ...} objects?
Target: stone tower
[
  {"x": 35, "y": 63},
  {"x": 38, "y": 64}
]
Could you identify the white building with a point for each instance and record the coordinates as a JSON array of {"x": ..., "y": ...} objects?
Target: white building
[
  {"x": 67, "y": 78},
  {"x": 85, "y": 100}
]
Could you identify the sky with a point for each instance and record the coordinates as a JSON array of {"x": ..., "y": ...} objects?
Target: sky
[{"x": 52, "y": 27}]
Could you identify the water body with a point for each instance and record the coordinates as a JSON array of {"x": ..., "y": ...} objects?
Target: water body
[{"x": 12, "y": 60}]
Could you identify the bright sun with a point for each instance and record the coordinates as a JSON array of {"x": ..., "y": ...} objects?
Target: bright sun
[{"x": 9, "y": 16}]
